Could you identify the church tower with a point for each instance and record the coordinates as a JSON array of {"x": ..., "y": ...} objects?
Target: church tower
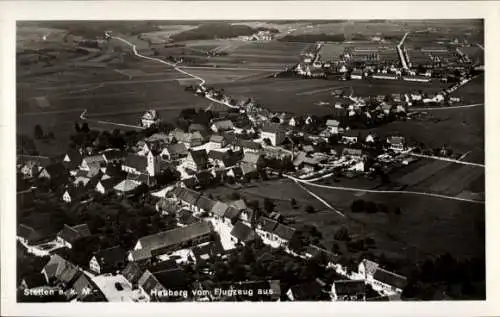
[{"x": 153, "y": 167}]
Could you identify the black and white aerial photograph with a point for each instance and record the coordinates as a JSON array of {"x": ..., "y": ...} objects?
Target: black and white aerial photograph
[{"x": 250, "y": 160}]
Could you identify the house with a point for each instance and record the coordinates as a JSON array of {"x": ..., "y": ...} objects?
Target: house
[
  {"x": 387, "y": 282},
  {"x": 385, "y": 76},
  {"x": 30, "y": 166},
  {"x": 114, "y": 156},
  {"x": 332, "y": 126},
  {"x": 235, "y": 172},
  {"x": 68, "y": 235},
  {"x": 348, "y": 290},
  {"x": 128, "y": 187},
  {"x": 185, "y": 218},
  {"x": 349, "y": 138},
  {"x": 190, "y": 139},
  {"x": 251, "y": 162},
  {"x": 417, "y": 78},
  {"x": 293, "y": 122},
  {"x": 27, "y": 235},
  {"x": 224, "y": 159},
  {"x": 197, "y": 127},
  {"x": 137, "y": 164},
  {"x": 86, "y": 290},
  {"x": 172, "y": 240},
  {"x": 165, "y": 286},
  {"x": 55, "y": 172},
  {"x": 132, "y": 272},
  {"x": 352, "y": 153},
  {"x": 106, "y": 186},
  {"x": 219, "y": 210},
  {"x": 310, "y": 291},
  {"x": 217, "y": 141},
  {"x": 397, "y": 143},
  {"x": 370, "y": 138},
  {"x": 197, "y": 160},
  {"x": 72, "y": 159},
  {"x": 366, "y": 269},
  {"x": 60, "y": 271},
  {"x": 241, "y": 233},
  {"x": 207, "y": 251},
  {"x": 174, "y": 152},
  {"x": 283, "y": 234},
  {"x": 73, "y": 194},
  {"x": 108, "y": 260},
  {"x": 221, "y": 126},
  {"x": 94, "y": 161},
  {"x": 249, "y": 146},
  {"x": 265, "y": 228},
  {"x": 274, "y": 132},
  {"x": 150, "y": 118},
  {"x": 204, "y": 204},
  {"x": 187, "y": 198},
  {"x": 357, "y": 74}
]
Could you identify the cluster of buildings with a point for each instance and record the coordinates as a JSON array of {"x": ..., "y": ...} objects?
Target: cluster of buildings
[
  {"x": 207, "y": 230},
  {"x": 369, "y": 60},
  {"x": 263, "y": 35}
]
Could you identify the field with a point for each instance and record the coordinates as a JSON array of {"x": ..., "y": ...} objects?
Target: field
[{"x": 427, "y": 226}]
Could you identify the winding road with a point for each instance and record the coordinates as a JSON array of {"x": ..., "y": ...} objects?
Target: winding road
[{"x": 174, "y": 66}]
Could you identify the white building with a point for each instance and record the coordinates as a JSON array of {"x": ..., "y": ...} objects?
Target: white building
[{"x": 150, "y": 118}]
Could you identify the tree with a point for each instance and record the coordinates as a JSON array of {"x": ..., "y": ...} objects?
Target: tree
[
  {"x": 269, "y": 205},
  {"x": 358, "y": 205},
  {"x": 77, "y": 127},
  {"x": 342, "y": 234},
  {"x": 51, "y": 135},
  {"x": 38, "y": 132},
  {"x": 310, "y": 209},
  {"x": 397, "y": 211},
  {"x": 85, "y": 128},
  {"x": 234, "y": 196},
  {"x": 293, "y": 203}
]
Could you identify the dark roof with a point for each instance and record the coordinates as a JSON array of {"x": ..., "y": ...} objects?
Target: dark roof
[
  {"x": 196, "y": 127},
  {"x": 272, "y": 127},
  {"x": 199, "y": 157},
  {"x": 217, "y": 155},
  {"x": 172, "y": 278},
  {"x": 136, "y": 161},
  {"x": 113, "y": 155},
  {"x": 284, "y": 232},
  {"x": 61, "y": 269},
  {"x": 223, "y": 125},
  {"x": 34, "y": 280},
  {"x": 215, "y": 138},
  {"x": 232, "y": 213},
  {"x": 189, "y": 196},
  {"x": 238, "y": 172},
  {"x": 71, "y": 234},
  {"x": 172, "y": 237},
  {"x": 205, "y": 203},
  {"x": 132, "y": 272},
  {"x": 109, "y": 183},
  {"x": 397, "y": 140},
  {"x": 108, "y": 258},
  {"x": 352, "y": 151},
  {"x": 243, "y": 232},
  {"x": 308, "y": 291},
  {"x": 390, "y": 278},
  {"x": 219, "y": 209},
  {"x": 211, "y": 249},
  {"x": 249, "y": 144},
  {"x": 28, "y": 233},
  {"x": 186, "y": 217},
  {"x": 25, "y": 199},
  {"x": 267, "y": 224},
  {"x": 83, "y": 282},
  {"x": 177, "y": 149},
  {"x": 349, "y": 287}
]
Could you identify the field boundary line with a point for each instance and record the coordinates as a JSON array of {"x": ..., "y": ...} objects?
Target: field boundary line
[{"x": 376, "y": 191}]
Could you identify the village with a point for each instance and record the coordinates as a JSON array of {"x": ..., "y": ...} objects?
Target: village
[
  {"x": 156, "y": 211},
  {"x": 220, "y": 147}
]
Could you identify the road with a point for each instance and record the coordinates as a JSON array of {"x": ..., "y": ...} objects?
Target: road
[
  {"x": 448, "y": 107},
  {"x": 400, "y": 51},
  {"x": 405, "y": 192},
  {"x": 174, "y": 66},
  {"x": 446, "y": 159},
  {"x": 324, "y": 202}
]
